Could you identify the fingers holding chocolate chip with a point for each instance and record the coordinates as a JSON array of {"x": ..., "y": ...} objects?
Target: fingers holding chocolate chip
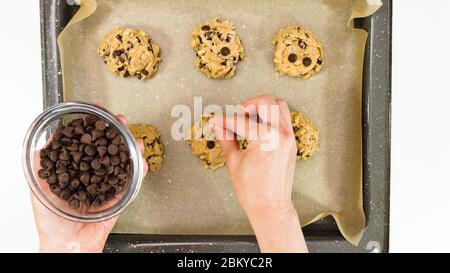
[{"x": 86, "y": 163}]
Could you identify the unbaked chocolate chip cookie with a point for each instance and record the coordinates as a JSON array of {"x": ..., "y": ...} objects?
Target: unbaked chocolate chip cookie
[
  {"x": 128, "y": 52},
  {"x": 205, "y": 144},
  {"x": 218, "y": 48},
  {"x": 153, "y": 148},
  {"x": 298, "y": 52},
  {"x": 306, "y": 136}
]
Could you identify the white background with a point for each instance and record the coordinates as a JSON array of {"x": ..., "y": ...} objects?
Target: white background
[{"x": 420, "y": 186}]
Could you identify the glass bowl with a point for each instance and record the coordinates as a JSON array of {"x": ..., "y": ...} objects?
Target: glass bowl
[{"x": 38, "y": 136}]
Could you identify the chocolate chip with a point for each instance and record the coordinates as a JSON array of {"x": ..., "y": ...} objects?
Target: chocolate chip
[
  {"x": 110, "y": 133},
  {"x": 76, "y": 122},
  {"x": 100, "y": 172},
  {"x": 85, "y": 178},
  {"x": 110, "y": 195},
  {"x": 80, "y": 195},
  {"x": 56, "y": 145},
  {"x": 115, "y": 160},
  {"x": 53, "y": 156},
  {"x": 65, "y": 194},
  {"x": 86, "y": 139},
  {"x": 123, "y": 157},
  {"x": 43, "y": 173},
  {"x": 319, "y": 61},
  {"x": 90, "y": 150},
  {"x": 121, "y": 68},
  {"x": 47, "y": 164},
  {"x": 302, "y": 44},
  {"x": 96, "y": 134},
  {"x": 208, "y": 35},
  {"x": 225, "y": 51},
  {"x": 92, "y": 189},
  {"x": 100, "y": 125},
  {"x": 64, "y": 155},
  {"x": 101, "y": 150},
  {"x": 95, "y": 164},
  {"x": 126, "y": 74},
  {"x": 144, "y": 72},
  {"x": 206, "y": 28},
  {"x": 74, "y": 183},
  {"x": 307, "y": 61},
  {"x": 77, "y": 156},
  {"x": 117, "y": 53},
  {"x": 123, "y": 177},
  {"x": 228, "y": 39},
  {"x": 84, "y": 166},
  {"x": 74, "y": 203},
  {"x": 55, "y": 189},
  {"x": 68, "y": 131},
  {"x": 79, "y": 130},
  {"x": 63, "y": 184},
  {"x": 61, "y": 164},
  {"x": 109, "y": 169},
  {"x": 123, "y": 147},
  {"x": 105, "y": 161},
  {"x": 116, "y": 140},
  {"x": 61, "y": 170},
  {"x": 95, "y": 179},
  {"x": 63, "y": 177},
  {"x": 113, "y": 180},
  {"x": 73, "y": 147},
  {"x": 66, "y": 141},
  {"x": 210, "y": 144},
  {"x": 113, "y": 149},
  {"x": 292, "y": 58},
  {"x": 104, "y": 187},
  {"x": 98, "y": 201},
  {"x": 101, "y": 141},
  {"x": 52, "y": 179},
  {"x": 44, "y": 153},
  {"x": 119, "y": 37}
]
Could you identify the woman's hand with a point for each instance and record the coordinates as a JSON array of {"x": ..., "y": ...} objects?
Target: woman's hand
[
  {"x": 263, "y": 173},
  {"x": 57, "y": 234}
]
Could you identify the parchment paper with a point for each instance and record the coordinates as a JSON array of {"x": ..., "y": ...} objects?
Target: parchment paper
[{"x": 183, "y": 198}]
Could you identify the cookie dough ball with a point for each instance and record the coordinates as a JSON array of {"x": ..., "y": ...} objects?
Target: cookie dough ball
[
  {"x": 128, "y": 52},
  {"x": 298, "y": 52},
  {"x": 153, "y": 149},
  {"x": 218, "y": 48},
  {"x": 306, "y": 136},
  {"x": 205, "y": 145}
]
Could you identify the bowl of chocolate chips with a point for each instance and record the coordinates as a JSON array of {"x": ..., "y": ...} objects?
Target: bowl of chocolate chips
[{"x": 81, "y": 162}]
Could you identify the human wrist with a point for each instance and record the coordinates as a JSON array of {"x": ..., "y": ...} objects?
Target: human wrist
[
  {"x": 283, "y": 210},
  {"x": 278, "y": 229}
]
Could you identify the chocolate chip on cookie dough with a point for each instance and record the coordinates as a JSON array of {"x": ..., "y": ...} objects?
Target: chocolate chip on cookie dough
[
  {"x": 306, "y": 136},
  {"x": 153, "y": 148},
  {"x": 128, "y": 52},
  {"x": 205, "y": 144},
  {"x": 298, "y": 52},
  {"x": 218, "y": 48}
]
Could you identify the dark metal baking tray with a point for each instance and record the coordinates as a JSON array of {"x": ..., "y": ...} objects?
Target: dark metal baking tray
[{"x": 322, "y": 236}]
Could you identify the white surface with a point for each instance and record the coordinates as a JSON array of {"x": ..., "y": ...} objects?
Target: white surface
[
  {"x": 420, "y": 186},
  {"x": 21, "y": 102}
]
